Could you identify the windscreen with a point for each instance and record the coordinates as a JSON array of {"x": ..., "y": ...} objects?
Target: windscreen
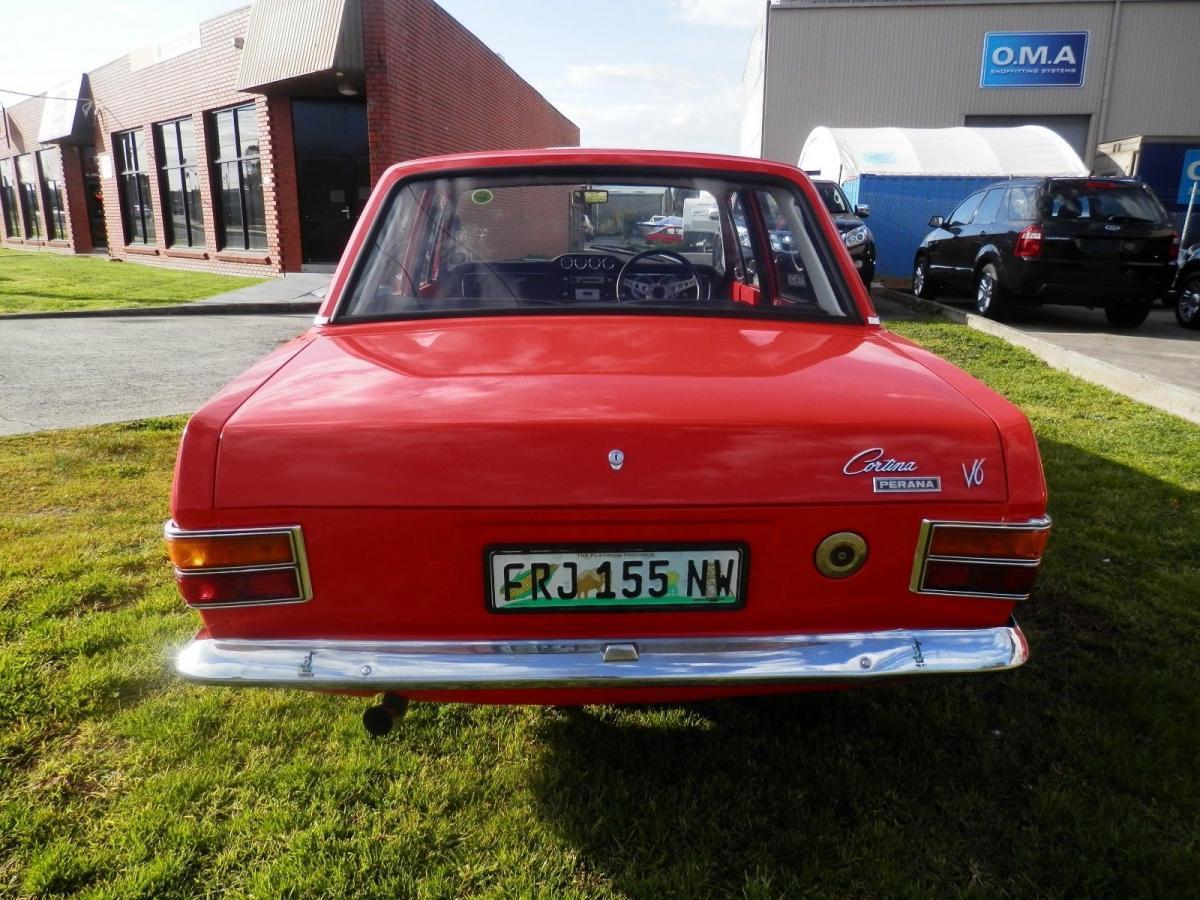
[
  {"x": 511, "y": 243},
  {"x": 833, "y": 198},
  {"x": 1103, "y": 201}
]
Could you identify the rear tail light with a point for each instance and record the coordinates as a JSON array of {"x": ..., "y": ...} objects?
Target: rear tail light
[
  {"x": 1029, "y": 242},
  {"x": 973, "y": 559},
  {"x": 1173, "y": 253},
  {"x": 239, "y": 567}
]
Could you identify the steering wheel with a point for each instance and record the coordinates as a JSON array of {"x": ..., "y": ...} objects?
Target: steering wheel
[{"x": 657, "y": 287}]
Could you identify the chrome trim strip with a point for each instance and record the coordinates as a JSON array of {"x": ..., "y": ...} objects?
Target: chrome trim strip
[
  {"x": 349, "y": 665},
  {"x": 235, "y": 570},
  {"x": 918, "y": 571},
  {"x": 925, "y": 536},
  {"x": 299, "y": 558},
  {"x": 985, "y": 560}
]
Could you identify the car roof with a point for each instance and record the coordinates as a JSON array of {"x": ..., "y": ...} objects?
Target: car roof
[
  {"x": 574, "y": 157},
  {"x": 1038, "y": 181}
]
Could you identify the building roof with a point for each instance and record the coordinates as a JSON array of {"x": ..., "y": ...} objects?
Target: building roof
[{"x": 845, "y": 153}]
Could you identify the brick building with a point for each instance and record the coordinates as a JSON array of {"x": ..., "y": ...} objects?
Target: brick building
[{"x": 250, "y": 144}]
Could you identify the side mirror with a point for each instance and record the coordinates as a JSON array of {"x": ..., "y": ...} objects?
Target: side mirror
[
  {"x": 936, "y": 221},
  {"x": 862, "y": 210}
]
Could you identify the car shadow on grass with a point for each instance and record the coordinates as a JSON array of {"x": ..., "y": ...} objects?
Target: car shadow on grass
[{"x": 1074, "y": 773}]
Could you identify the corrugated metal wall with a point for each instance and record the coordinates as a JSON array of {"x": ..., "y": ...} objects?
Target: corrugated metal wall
[
  {"x": 292, "y": 38},
  {"x": 1156, "y": 71},
  {"x": 918, "y": 66}
]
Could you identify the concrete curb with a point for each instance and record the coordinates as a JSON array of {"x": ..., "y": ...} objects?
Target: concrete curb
[
  {"x": 262, "y": 308},
  {"x": 1143, "y": 388}
]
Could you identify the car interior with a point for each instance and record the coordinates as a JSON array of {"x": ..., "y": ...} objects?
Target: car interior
[{"x": 591, "y": 243}]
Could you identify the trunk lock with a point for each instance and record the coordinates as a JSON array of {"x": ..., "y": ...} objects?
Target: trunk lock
[{"x": 840, "y": 555}]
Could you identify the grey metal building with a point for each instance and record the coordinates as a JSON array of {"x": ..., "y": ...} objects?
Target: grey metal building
[{"x": 1092, "y": 70}]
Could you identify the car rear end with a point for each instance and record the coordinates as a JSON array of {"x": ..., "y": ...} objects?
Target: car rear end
[
  {"x": 660, "y": 536},
  {"x": 602, "y": 503},
  {"x": 1095, "y": 241}
]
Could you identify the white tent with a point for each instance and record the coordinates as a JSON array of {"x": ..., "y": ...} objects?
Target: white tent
[{"x": 842, "y": 154}]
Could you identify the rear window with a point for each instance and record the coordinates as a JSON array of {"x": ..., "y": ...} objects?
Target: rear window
[
  {"x": 1103, "y": 201},
  {"x": 596, "y": 241},
  {"x": 1022, "y": 204}
]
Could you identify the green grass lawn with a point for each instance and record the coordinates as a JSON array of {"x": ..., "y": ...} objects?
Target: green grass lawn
[
  {"x": 1076, "y": 775},
  {"x": 40, "y": 282}
]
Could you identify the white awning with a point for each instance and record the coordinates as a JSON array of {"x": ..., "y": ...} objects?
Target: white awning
[
  {"x": 65, "y": 113},
  {"x": 842, "y": 154}
]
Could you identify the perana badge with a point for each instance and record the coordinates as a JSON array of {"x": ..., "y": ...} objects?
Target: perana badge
[{"x": 616, "y": 459}]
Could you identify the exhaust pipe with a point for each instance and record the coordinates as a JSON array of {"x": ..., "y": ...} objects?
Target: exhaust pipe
[{"x": 379, "y": 720}]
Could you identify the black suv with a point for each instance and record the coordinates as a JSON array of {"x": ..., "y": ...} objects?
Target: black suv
[
  {"x": 1187, "y": 288},
  {"x": 1080, "y": 241},
  {"x": 849, "y": 221}
]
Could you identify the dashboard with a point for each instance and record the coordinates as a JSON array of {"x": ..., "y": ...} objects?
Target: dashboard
[{"x": 570, "y": 278}]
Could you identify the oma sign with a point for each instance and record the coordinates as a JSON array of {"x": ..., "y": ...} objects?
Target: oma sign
[{"x": 1023, "y": 59}]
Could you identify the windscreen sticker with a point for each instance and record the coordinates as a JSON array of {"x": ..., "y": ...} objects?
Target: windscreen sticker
[{"x": 481, "y": 197}]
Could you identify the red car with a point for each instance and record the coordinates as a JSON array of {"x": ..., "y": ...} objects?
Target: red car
[
  {"x": 506, "y": 468},
  {"x": 667, "y": 236}
]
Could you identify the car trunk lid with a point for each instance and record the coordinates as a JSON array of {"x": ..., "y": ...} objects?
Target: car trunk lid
[
  {"x": 524, "y": 412},
  {"x": 1104, "y": 223}
]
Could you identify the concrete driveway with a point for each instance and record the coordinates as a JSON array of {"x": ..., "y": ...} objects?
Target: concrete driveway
[
  {"x": 1158, "y": 348},
  {"x": 62, "y": 373},
  {"x": 1157, "y": 363}
]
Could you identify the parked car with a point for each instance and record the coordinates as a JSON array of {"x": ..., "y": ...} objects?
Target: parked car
[
  {"x": 1081, "y": 241},
  {"x": 854, "y": 231},
  {"x": 555, "y": 474},
  {"x": 701, "y": 222},
  {"x": 666, "y": 236},
  {"x": 656, "y": 222},
  {"x": 1187, "y": 288}
]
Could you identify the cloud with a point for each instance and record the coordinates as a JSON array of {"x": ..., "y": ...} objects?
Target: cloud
[
  {"x": 608, "y": 74},
  {"x": 720, "y": 13},
  {"x": 706, "y": 119}
]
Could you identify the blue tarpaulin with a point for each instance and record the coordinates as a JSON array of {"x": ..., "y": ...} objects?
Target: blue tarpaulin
[{"x": 900, "y": 209}]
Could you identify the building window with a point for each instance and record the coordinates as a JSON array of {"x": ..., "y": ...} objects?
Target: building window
[
  {"x": 133, "y": 176},
  {"x": 240, "y": 197},
  {"x": 27, "y": 187},
  {"x": 50, "y": 162},
  {"x": 8, "y": 199},
  {"x": 180, "y": 185}
]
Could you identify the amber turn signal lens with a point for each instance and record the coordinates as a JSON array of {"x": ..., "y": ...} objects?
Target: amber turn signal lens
[
  {"x": 230, "y": 552},
  {"x": 988, "y": 543}
]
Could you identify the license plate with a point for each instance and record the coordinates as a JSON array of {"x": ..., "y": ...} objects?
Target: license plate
[{"x": 694, "y": 577}]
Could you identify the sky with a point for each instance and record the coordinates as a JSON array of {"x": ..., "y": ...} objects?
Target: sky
[{"x": 652, "y": 74}]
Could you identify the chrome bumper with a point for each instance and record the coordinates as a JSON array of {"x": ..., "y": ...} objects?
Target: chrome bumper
[{"x": 621, "y": 662}]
